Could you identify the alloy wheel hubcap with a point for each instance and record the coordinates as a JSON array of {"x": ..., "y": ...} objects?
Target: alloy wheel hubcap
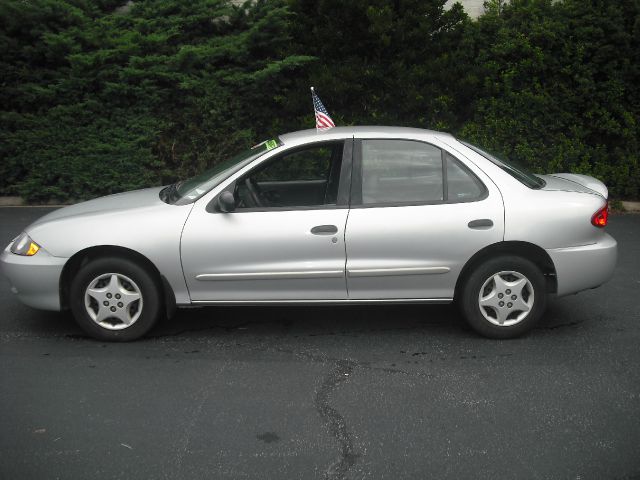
[
  {"x": 506, "y": 298},
  {"x": 113, "y": 301}
]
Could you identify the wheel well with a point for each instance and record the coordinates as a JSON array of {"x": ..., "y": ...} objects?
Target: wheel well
[
  {"x": 526, "y": 250},
  {"x": 83, "y": 257}
]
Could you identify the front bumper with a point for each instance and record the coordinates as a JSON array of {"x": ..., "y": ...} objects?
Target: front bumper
[
  {"x": 35, "y": 280},
  {"x": 584, "y": 267}
]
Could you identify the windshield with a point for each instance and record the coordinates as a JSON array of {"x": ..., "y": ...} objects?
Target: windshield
[
  {"x": 516, "y": 171},
  {"x": 188, "y": 191}
]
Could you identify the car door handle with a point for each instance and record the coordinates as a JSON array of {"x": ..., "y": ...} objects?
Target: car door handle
[
  {"x": 480, "y": 223},
  {"x": 324, "y": 230}
]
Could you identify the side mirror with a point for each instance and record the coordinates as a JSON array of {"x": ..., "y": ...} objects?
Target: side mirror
[{"x": 226, "y": 202}]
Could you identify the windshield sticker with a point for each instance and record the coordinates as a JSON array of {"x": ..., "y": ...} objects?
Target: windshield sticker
[{"x": 271, "y": 144}]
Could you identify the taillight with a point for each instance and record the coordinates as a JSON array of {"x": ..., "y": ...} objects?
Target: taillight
[{"x": 600, "y": 218}]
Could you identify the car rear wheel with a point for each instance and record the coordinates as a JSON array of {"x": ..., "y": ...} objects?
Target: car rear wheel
[
  {"x": 504, "y": 297},
  {"x": 115, "y": 299}
]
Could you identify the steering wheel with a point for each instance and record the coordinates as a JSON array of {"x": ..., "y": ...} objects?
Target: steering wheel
[{"x": 254, "y": 192}]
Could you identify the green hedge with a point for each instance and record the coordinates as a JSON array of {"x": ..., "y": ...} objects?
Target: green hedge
[{"x": 97, "y": 98}]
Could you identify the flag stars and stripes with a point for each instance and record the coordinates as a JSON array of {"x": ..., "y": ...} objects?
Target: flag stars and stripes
[{"x": 323, "y": 119}]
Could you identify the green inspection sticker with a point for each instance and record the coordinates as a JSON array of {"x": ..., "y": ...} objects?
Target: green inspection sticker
[{"x": 271, "y": 144}]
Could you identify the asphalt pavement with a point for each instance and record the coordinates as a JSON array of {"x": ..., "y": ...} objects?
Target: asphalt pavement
[{"x": 303, "y": 393}]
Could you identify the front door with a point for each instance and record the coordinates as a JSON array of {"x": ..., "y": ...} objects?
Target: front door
[{"x": 284, "y": 241}]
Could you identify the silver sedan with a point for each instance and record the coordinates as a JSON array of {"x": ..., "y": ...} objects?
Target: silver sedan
[{"x": 345, "y": 216}]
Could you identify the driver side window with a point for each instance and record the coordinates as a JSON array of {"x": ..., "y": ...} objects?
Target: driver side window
[{"x": 307, "y": 176}]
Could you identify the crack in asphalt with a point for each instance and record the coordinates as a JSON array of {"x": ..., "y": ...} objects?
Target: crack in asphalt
[{"x": 334, "y": 421}]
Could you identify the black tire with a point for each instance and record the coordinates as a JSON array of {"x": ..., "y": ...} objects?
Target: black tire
[
  {"x": 149, "y": 288},
  {"x": 470, "y": 296}
]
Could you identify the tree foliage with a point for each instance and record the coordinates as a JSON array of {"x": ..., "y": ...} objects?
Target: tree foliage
[
  {"x": 97, "y": 100},
  {"x": 559, "y": 87},
  {"x": 103, "y": 96}
]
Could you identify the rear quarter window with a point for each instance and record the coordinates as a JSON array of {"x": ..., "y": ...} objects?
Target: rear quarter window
[{"x": 462, "y": 184}]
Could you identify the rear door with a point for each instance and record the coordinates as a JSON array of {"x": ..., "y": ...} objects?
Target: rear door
[{"x": 417, "y": 215}]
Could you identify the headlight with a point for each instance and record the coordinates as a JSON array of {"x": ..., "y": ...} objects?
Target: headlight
[{"x": 23, "y": 245}]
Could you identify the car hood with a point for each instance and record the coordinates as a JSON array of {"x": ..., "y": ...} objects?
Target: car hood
[
  {"x": 109, "y": 204},
  {"x": 136, "y": 220},
  {"x": 572, "y": 182}
]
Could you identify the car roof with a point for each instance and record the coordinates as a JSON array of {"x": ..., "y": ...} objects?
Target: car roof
[{"x": 303, "y": 136}]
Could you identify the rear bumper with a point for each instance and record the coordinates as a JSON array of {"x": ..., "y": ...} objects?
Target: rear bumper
[
  {"x": 584, "y": 267},
  {"x": 34, "y": 280}
]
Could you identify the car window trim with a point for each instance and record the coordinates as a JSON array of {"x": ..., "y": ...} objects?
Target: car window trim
[
  {"x": 344, "y": 185},
  {"x": 286, "y": 209},
  {"x": 346, "y": 173},
  {"x": 445, "y": 180},
  {"x": 356, "y": 176},
  {"x": 356, "y": 190}
]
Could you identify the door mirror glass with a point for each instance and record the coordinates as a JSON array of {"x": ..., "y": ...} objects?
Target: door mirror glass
[{"x": 226, "y": 202}]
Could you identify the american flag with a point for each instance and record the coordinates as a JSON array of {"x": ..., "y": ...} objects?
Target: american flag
[{"x": 323, "y": 120}]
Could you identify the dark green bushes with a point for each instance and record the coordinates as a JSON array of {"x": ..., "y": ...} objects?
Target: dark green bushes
[
  {"x": 96, "y": 98},
  {"x": 559, "y": 88}
]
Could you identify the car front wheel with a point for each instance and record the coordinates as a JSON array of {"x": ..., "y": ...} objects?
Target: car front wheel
[
  {"x": 115, "y": 299},
  {"x": 504, "y": 297}
]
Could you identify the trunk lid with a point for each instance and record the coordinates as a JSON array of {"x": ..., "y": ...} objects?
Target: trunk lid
[{"x": 573, "y": 182}]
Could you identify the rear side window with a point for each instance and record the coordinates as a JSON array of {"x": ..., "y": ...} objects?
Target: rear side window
[
  {"x": 400, "y": 171},
  {"x": 397, "y": 172}
]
